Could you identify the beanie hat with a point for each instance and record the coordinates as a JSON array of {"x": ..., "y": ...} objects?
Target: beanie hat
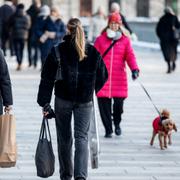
[{"x": 114, "y": 17}]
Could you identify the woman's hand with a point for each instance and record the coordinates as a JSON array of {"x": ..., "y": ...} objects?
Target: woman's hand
[
  {"x": 135, "y": 74},
  {"x": 48, "y": 111},
  {"x": 7, "y": 109}
]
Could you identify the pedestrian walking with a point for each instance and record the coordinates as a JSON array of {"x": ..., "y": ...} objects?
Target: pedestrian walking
[
  {"x": 53, "y": 31},
  {"x": 19, "y": 24},
  {"x": 165, "y": 31},
  {"x": 6, "y": 99},
  {"x": 39, "y": 28},
  {"x": 116, "y": 57},
  {"x": 32, "y": 44},
  {"x": 97, "y": 23},
  {"x": 115, "y": 7},
  {"x": 6, "y": 11},
  {"x": 83, "y": 71}
]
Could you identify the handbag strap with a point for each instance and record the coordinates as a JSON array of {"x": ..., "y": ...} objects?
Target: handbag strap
[
  {"x": 107, "y": 50},
  {"x": 174, "y": 24},
  {"x": 42, "y": 130},
  {"x": 56, "y": 48},
  {"x": 47, "y": 124},
  {"x": 45, "y": 130}
]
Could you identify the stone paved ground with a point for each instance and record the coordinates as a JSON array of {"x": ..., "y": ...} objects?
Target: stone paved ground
[{"x": 128, "y": 157}]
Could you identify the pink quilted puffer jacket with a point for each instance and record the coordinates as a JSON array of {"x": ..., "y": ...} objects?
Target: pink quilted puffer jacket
[{"x": 116, "y": 59}]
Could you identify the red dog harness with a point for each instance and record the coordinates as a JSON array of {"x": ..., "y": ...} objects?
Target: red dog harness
[{"x": 157, "y": 125}]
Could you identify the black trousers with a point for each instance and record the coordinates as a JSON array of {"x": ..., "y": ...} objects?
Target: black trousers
[
  {"x": 110, "y": 110},
  {"x": 6, "y": 37},
  {"x": 19, "y": 47},
  {"x": 82, "y": 113},
  {"x": 32, "y": 47}
]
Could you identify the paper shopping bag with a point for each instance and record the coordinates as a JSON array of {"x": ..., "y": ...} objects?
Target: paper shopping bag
[{"x": 8, "y": 148}]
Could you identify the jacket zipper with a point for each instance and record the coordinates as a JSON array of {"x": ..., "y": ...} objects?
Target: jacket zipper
[{"x": 110, "y": 83}]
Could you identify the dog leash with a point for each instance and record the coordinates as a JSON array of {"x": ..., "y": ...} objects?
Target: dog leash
[{"x": 149, "y": 97}]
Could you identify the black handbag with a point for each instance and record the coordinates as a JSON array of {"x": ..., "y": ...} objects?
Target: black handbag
[
  {"x": 176, "y": 32},
  {"x": 59, "y": 76},
  {"x": 44, "y": 157}
]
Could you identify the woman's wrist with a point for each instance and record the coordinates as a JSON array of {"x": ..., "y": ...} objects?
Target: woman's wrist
[{"x": 8, "y": 108}]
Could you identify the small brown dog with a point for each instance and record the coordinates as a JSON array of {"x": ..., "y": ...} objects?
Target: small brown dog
[{"x": 163, "y": 126}]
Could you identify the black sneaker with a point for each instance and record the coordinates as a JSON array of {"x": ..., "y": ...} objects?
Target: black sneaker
[
  {"x": 108, "y": 135},
  {"x": 118, "y": 130}
]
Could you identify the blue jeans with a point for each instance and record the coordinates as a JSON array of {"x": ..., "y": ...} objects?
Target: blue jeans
[{"x": 82, "y": 113}]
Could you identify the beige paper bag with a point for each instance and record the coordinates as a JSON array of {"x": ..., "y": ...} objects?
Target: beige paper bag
[{"x": 8, "y": 148}]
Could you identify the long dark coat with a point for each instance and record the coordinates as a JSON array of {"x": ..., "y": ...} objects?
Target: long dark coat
[{"x": 164, "y": 31}]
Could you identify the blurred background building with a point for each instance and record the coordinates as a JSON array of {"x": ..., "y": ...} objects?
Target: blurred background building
[
  {"x": 131, "y": 8},
  {"x": 142, "y": 15}
]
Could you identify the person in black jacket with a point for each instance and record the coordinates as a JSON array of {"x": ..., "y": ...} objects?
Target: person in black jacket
[
  {"x": 32, "y": 43},
  {"x": 168, "y": 43},
  {"x": 19, "y": 24},
  {"x": 5, "y": 86},
  {"x": 6, "y": 11},
  {"x": 83, "y": 71}
]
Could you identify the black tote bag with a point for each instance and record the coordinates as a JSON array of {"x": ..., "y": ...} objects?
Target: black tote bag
[{"x": 44, "y": 157}]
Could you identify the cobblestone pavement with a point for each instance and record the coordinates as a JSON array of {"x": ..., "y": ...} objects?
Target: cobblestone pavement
[{"x": 128, "y": 157}]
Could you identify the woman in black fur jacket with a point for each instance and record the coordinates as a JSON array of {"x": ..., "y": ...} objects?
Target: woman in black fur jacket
[
  {"x": 83, "y": 71},
  {"x": 5, "y": 86}
]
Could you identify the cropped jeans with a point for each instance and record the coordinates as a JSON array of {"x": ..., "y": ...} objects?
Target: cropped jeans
[{"x": 82, "y": 113}]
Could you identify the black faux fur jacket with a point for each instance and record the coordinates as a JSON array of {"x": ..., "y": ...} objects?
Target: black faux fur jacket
[{"x": 80, "y": 78}]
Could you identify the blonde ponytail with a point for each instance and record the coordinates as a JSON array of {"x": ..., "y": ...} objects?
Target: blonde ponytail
[
  {"x": 80, "y": 42},
  {"x": 77, "y": 32}
]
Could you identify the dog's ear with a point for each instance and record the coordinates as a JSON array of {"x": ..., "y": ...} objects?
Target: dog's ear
[{"x": 174, "y": 127}]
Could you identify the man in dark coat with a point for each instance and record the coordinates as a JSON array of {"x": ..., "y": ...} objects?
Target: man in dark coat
[
  {"x": 6, "y": 11},
  {"x": 33, "y": 12},
  {"x": 19, "y": 25},
  {"x": 165, "y": 27},
  {"x": 5, "y": 85}
]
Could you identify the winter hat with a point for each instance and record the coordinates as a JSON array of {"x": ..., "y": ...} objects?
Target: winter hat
[
  {"x": 44, "y": 11},
  {"x": 114, "y": 17}
]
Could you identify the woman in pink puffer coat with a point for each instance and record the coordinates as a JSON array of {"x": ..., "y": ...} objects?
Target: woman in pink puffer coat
[{"x": 116, "y": 88}]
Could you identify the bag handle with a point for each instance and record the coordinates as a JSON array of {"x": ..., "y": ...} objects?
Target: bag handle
[
  {"x": 59, "y": 69},
  {"x": 45, "y": 130},
  {"x": 56, "y": 48},
  {"x": 41, "y": 135},
  {"x": 47, "y": 125}
]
